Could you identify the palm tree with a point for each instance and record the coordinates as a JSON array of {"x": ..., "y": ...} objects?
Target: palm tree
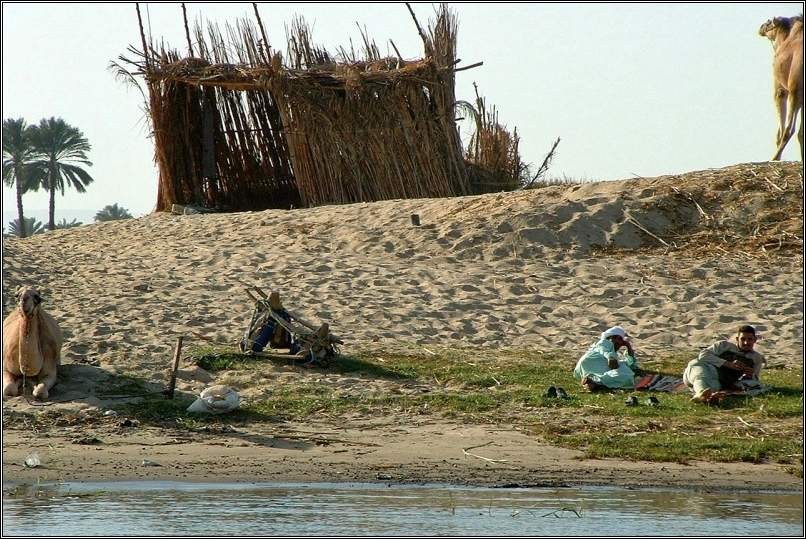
[
  {"x": 18, "y": 154},
  {"x": 30, "y": 224},
  {"x": 64, "y": 224},
  {"x": 112, "y": 212},
  {"x": 61, "y": 149}
]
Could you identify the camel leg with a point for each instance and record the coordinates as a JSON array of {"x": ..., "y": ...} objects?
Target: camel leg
[
  {"x": 800, "y": 136},
  {"x": 11, "y": 386},
  {"x": 789, "y": 129},
  {"x": 47, "y": 379},
  {"x": 780, "y": 107}
]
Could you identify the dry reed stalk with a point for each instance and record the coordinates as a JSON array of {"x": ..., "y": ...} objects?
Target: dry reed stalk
[{"x": 493, "y": 153}]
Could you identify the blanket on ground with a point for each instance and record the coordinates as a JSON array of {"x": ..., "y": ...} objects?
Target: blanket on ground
[
  {"x": 673, "y": 384},
  {"x": 659, "y": 382}
]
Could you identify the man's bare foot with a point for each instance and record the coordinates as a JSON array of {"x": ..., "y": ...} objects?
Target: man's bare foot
[
  {"x": 710, "y": 396},
  {"x": 590, "y": 385}
]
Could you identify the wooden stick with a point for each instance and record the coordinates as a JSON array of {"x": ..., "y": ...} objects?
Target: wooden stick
[
  {"x": 749, "y": 425},
  {"x": 187, "y": 31},
  {"x": 466, "y": 452},
  {"x": 399, "y": 57},
  {"x": 143, "y": 37},
  {"x": 172, "y": 384},
  {"x": 262, "y": 31},
  {"x": 774, "y": 185},
  {"x": 302, "y": 321},
  {"x": 555, "y": 513},
  {"x": 471, "y": 66},
  {"x": 691, "y": 198},
  {"x": 303, "y": 334},
  {"x": 477, "y": 446},
  {"x": 638, "y": 225},
  {"x": 419, "y": 29}
]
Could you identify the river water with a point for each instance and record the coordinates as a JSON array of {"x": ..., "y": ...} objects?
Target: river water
[{"x": 259, "y": 509}]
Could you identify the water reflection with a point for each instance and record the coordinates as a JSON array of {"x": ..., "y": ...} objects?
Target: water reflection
[{"x": 169, "y": 508}]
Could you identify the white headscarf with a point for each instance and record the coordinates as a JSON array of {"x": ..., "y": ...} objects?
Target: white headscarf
[{"x": 614, "y": 331}]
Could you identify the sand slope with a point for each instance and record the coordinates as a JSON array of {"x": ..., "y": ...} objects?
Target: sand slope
[{"x": 547, "y": 268}]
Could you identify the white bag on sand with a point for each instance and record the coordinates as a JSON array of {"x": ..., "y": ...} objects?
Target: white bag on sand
[{"x": 216, "y": 400}]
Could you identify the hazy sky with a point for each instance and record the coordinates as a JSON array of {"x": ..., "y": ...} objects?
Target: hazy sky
[{"x": 631, "y": 89}]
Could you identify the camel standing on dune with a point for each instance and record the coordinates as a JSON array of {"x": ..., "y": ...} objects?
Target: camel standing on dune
[
  {"x": 32, "y": 347},
  {"x": 786, "y": 35}
]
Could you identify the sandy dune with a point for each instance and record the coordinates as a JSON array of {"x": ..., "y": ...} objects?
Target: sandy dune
[{"x": 547, "y": 268}]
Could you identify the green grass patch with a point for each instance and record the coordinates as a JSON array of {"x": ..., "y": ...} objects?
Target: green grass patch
[
  {"x": 217, "y": 358},
  {"x": 678, "y": 447},
  {"x": 505, "y": 386}
]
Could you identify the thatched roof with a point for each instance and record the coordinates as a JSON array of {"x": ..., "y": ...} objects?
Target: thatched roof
[
  {"x": 237, "y": 126},
  {"x": 382, "y": 72}
]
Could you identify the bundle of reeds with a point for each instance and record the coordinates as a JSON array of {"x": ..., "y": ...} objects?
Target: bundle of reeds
[
  {"x": 246, "y": 130},
  {"x": 371, "y": 129},
  {"x": 492, "y": 153},
  {"x": 219, "y": 141}
]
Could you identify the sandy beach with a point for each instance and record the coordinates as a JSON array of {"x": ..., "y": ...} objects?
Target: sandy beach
[{"x": 680, "y": 261}]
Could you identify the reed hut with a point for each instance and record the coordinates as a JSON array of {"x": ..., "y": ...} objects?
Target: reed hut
[{"x": 238, "y": 127}]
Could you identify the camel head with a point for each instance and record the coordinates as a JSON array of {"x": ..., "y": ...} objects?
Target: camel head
[
  {"x": 28, "y": 299},
  {"x": 778, "y": 27}
]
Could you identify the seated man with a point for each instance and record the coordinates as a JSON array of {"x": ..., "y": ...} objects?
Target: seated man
[
  {"x": 601, "y": 367},
  {"x": 271, "y": 333},
  {"x": 720, "y": 367}
]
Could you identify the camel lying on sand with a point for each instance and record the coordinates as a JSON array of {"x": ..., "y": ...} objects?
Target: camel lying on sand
[
  {"x": 32, "y": 347},
  {"x": 786, "y": 34}
]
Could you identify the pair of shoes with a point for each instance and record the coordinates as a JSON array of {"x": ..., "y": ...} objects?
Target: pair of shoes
[
  {"x": 555, "y": 393},
  {"x": 649, "y": 401}
]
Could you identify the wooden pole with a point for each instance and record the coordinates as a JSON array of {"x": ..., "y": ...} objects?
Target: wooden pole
[
  {"x": 267, "y": 48},
  {"x": 142, "y": 36},
  {"x": 187, "y": 30},
  {"x": 420, "y": 31},
  {"x": 177, "y": 354}
]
